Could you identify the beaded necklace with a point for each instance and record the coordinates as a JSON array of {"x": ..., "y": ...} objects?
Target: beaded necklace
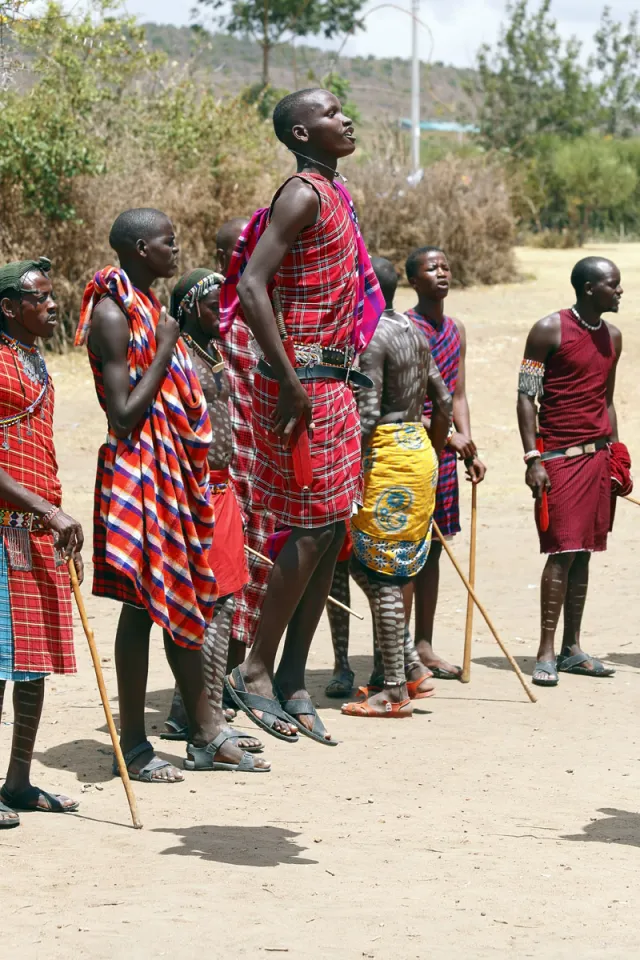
[
  {"x": 587, "y": 326},
  {"x": 30, "y": 358},
  {"x": 216, "y": 363}
]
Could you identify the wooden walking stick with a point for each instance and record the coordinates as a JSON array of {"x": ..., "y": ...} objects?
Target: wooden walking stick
[
  {"x": 332, "y": 600},
  {"x": 484, "y": 613},
  {"x": 632, "y": 500},
  {"x": 122, "y": 767},
  {"x": 468, "y": 633}
]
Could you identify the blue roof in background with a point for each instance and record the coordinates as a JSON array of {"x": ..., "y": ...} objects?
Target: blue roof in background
[{"x": 441, "y": 126}]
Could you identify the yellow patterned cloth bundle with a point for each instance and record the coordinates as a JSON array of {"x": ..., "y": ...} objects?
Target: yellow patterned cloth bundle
[{"x": 392, "y": 531}]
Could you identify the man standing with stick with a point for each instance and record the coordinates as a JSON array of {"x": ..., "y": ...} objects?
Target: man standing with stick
[
  {"x": 309, "y": 268},
  {"x": 429, "y": 274},
  {"x": 569, "y": 368},
  {"x": 36, "y": 627}
]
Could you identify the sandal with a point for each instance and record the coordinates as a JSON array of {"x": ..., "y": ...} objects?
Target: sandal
[
  {"x": 341, "y": 685},
  {"x": 182, "y": 733},
  {"x": 575, "y": 664},
  {"x": 364, "y": 709},
  {"x": 145, "y": 774},
  {"x": 248, "y": 702},
  {"x": 440, "y": 674},
  {"x": 203, "y": 758},
  {"x": 13, "y": 821},
  {"x": 300, "y": 707},
  {"x": 28, "y": 800},
  {"x": 176, "y": 731},
  {"x": 414, "y": 691},
  {"x": 548, "y": 667}
]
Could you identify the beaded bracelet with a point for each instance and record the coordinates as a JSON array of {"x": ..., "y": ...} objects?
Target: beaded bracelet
[{"x": 49, "y": 515}]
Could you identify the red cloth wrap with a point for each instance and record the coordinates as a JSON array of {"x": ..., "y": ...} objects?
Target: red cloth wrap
[
  {"x": 227, "y": 555},
  {"x": 621, "y": 480}
]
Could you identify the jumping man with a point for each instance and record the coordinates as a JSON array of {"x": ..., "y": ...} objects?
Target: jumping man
[
  {"x": 310, "y": 260},
  {"x": 569, "y": 369}
]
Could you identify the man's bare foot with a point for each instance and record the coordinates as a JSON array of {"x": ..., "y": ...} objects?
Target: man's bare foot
[
  {"x": 384, "y": 705},
  {"x": 261, "y": 684},
  {"x": 440, "y": 669}
]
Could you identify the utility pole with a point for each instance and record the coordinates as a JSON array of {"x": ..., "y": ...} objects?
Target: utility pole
[{"x": 415, "y": 89}]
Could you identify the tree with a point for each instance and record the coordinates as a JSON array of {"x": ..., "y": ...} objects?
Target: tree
[
  {"x": 594, "y": 178},
  {"x": 532, "y": 83},
  {"x": 270, "y": 22},
  {"x": 617, "y": 58}
]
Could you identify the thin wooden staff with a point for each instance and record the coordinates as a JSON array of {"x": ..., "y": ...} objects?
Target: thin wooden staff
[
  {"x": 122, "y": 767},
  {"x": 468, "y": 633},
  {"x": 632, "y": 500},
  {"x": 336, "y": 603},
  {"x": 484, "y": 613}
]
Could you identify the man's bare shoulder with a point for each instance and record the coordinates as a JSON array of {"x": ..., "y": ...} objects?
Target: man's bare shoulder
[
  {"x": 616, "y": 336},
  {"x": 298, "y": 197},
  {"x": 108, "y": 324},
  {"x": 548, "y": 328}
]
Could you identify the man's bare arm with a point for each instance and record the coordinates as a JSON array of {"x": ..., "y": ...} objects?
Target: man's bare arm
[
  {"x": 543, "y": 340},
  {"x": 296, "y": 208},
  {"x": 616, "y": 339},
  {"x": 110, "y": 340},
  {"x": 442, "y": 411},
  {"x": 461, "y": 440}
]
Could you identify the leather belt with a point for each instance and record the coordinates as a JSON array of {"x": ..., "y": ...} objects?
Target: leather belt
[
  {"x": 578, "y": 450},
  {"x": 322, "y": 371}
]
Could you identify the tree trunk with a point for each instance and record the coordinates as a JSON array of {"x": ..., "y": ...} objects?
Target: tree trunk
[{"x": 266, "y": 46}]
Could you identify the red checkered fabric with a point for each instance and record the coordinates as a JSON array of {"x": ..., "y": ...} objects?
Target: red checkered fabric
[
  {"x": 41, "y": 614},
  {"x": 241, "y": 361},
  {"x": 318, "y": 287},
  {"x": 335, "y": 456}
]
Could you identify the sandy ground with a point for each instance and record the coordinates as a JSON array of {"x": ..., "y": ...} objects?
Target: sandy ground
[{"x": 478, "y": 828}]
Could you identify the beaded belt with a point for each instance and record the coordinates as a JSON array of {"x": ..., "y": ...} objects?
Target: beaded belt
[
  {"x": 219, "y": 480},
  {"x": 19, "y": 520}
]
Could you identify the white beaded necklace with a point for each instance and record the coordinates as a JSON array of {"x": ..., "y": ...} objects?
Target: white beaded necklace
[{"x": 583, "y": 323}]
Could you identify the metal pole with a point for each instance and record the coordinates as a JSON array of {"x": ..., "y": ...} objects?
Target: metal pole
[{"x": 415, "y": 88}]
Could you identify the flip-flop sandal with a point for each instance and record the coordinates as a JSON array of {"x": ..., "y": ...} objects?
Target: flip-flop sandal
[
  {"x": 14, "y": 821},
  {"x": 303, "y": 707},
  {"x": 28, "y": 800},
  {"x": 575, "y": 665},
  {"x": 364, "y": 709},
  {"x": 547, "y": 667},
  {"x": 414, "y": 691},
  {"x": 341, "y": 685},
  {"x": 440, "y": 674},
  {"x": 176, "y": 731},
  {"x": 145, "y": 774},
  {"x": 203, "y": 758},
  {"x": 248, "y": 702},
  {"x": 182, "y": 734}
]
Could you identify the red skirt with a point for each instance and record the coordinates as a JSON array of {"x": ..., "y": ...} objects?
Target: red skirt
[
  {"x": 579, "y": 504},
  {"x": 335, "y": 456},
  {"x": 41, "y": 613},
  {"x": 227, "y": 556}
]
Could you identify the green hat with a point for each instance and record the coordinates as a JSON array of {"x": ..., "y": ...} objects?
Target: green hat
[
  {"x": 12, "y": 274},
  {"x": 193, "y": 286}
]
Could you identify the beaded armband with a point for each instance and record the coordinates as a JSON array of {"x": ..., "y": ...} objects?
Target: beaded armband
[{"x": 531, "y": 377}]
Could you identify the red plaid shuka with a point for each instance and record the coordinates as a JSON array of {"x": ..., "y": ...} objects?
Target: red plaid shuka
[
  {"x": 319, "y": 292},
  {"x": 241, "y": 361},
  {"x": 444, "y": 343},
  {"x": 40, "y": 598},
  {"x": 154, "y": 520}
]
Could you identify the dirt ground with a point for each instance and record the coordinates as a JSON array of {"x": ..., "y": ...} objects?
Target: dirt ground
[{"x": 477, "y": 829}]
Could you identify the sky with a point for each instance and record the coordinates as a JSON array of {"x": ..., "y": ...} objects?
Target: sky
[{"x": 456, "y": 27}]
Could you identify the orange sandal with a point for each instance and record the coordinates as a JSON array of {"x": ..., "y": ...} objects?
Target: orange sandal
[
  {"x": 415, "y": 693},
  {"x": 364, "y": 709}
]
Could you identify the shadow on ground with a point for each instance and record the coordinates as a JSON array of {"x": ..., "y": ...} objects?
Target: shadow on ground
[
  {"x": 91, "y": 760},
  {"x": 242, "y": 846},
  {"x": 501, "y": 663},
  {"x": 618, "y": 826},
  {"x": 624, "y": 659}
]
